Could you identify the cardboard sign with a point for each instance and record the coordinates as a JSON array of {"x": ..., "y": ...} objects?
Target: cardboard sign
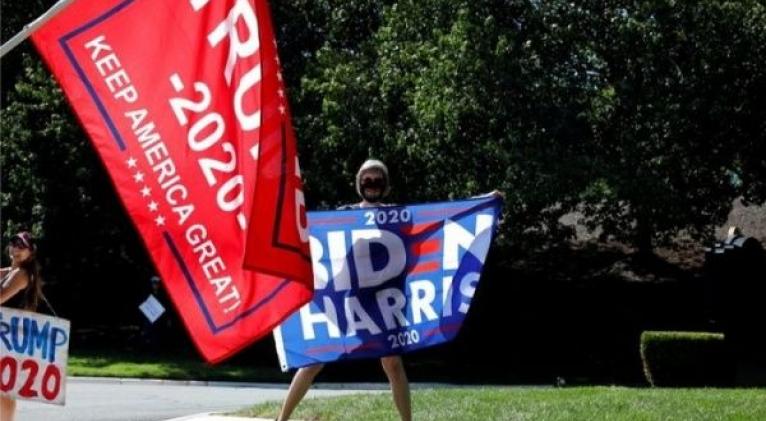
[
  {"x": 35, "y": 349},
  {"x": 152, "y": 308}
]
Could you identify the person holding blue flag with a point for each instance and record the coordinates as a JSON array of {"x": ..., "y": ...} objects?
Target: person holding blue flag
[{"x": 372, "y": 185}]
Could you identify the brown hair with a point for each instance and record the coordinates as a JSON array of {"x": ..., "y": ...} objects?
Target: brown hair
[{"x": 34, "y": 290}]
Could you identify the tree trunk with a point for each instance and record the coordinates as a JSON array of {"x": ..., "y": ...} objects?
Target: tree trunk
[{"x": 643, "y": 241}]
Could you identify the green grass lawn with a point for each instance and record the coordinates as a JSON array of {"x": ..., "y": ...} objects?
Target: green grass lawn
[
  {"x": 115, "y": 364},
  {"x": 463, "y": 403},
  {"x": 525, "y": 403}
]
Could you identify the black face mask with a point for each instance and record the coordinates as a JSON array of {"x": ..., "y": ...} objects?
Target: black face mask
[{"x": 373, "y": 183}]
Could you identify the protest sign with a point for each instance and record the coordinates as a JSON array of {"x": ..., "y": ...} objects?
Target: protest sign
[{"x": 33, "y": 361}]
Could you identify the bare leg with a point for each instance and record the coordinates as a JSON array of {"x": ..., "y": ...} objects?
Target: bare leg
[
  {"x": 400, "y": 386},
  {"x": 7, "y": 408},
  {"x": 298, "y": 388}
]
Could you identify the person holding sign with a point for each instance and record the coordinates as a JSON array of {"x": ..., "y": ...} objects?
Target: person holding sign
[
  {"x": 372, "y": 185},
  {"x": 21, "y": 288}
]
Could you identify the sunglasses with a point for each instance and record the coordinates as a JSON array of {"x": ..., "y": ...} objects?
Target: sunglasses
[{"x": 19, "y": 243}]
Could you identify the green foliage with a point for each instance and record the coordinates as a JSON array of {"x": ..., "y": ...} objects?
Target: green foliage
[
  {"x": 166, "y": 367},
  {"x": 643, "y": 115},
  {"x": 16, "y": 14},
  {"x": 678, "y": 83},
  {"x": 646, "y": 116},
  {"x": 55, "y": 185},
  {"x": 458, "y": 102},
  {"x": 685, "y": 359}
]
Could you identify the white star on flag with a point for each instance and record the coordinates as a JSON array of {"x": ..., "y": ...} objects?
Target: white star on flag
[
  {"x": 279, "y": 76},
  {"x": 146, "y": 191},
  {"x": 254, "y": 151},
  {"x": 153, "y": 206},
  {"x": 139, "y": 177},
  {"x": 281, "y": 109},
  {"x": 160, "y": 220},
  {"x": 281, "y": 93},
  {"x": 131, "y": 162},
  {"x": 276, "y": 58}
]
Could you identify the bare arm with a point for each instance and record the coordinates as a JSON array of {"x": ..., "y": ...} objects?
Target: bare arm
[{"x": 17, "y": 282}]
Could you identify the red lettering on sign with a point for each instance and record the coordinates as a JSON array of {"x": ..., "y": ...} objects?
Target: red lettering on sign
[
  {"x": 8, "y": 370},
  {"x": 26, "y": 390}
]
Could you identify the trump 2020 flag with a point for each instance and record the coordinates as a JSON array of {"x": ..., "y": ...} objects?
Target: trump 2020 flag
[
  {"x": 183, "y": 99},
  {"x": 388, "y": 280}
]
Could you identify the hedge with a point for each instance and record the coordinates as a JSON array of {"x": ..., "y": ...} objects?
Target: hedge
[{"x": 686, "y": 359}]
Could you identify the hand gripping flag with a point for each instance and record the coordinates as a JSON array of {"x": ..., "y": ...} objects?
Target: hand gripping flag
[
  {"x": 184, "y": 102},
  {"x": 388, "y": 280}
]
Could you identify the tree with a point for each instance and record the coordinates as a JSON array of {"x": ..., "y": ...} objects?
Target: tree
[
  {"x": 461, "y": 98},
  {"x": 55, "y": 185},
  {"x": 676, "y": 123},
  {"x": 643, "y": 114},
  {"x": 16, "y": 14}
]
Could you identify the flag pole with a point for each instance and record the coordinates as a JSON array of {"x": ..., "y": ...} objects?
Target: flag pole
[{"x": 32, "y": 27}]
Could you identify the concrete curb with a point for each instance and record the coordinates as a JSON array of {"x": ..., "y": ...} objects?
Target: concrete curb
[
  {"x": 216, "y": 417},
  {"x": 125, "y": 380},
  {"x": 213, "y": 383}
]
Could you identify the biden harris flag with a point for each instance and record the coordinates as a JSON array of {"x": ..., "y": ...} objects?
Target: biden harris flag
[
  {"x": 184, "y": 101},
  {"x": 388, "y": 280}
]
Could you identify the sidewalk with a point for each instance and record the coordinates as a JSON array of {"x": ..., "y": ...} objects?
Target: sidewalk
[
  {"x": 355, "y": 387},
  {"x": 363, "y": 386},
  {"x": 121, "y": 399}
]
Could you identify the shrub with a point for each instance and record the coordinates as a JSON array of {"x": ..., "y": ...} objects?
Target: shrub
[{"x": 686, "y": 359}]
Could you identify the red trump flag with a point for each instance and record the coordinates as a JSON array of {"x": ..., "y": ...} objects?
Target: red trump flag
[{"x": 185, "y": 103}]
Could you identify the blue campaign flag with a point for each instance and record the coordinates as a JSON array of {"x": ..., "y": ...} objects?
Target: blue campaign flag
[{"x": 388, "y": 280}]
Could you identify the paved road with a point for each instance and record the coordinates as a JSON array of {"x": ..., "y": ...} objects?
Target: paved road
[{"x": 148, "y": 400}]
